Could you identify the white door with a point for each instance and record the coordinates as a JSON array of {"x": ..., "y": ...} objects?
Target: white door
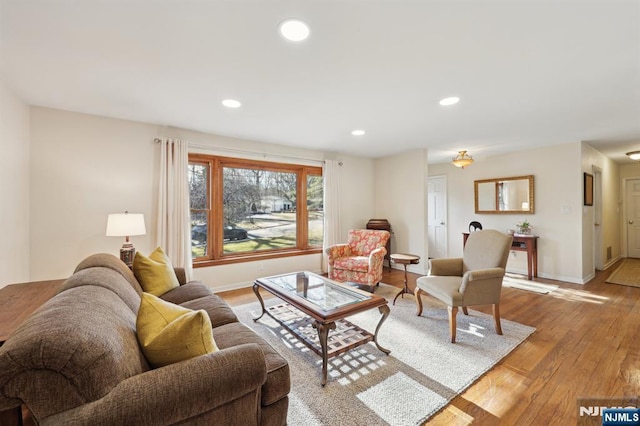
[
  {"x": 598, "y": 245},
  {"x": 436, "y": 217},
  {"x": 633, "y": 217}
]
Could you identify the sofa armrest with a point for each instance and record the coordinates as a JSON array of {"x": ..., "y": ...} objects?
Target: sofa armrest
[
  {"x": 181, "y": 274},
  {"x": 337, "y": 251},
  {"x": 451, "y": 267},
  {"x": 180, "y": 391}
]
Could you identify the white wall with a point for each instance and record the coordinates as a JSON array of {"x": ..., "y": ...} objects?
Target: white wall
[
  {"x": 84, "y": 167},
  {"x": 358, "y": 193},
  {"x": 401, "y": 198},
  {"x": 14, "y": 188},
  {"x": 558, "y": 189}
]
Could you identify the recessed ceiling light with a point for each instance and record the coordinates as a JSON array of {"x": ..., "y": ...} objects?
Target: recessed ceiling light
[
  {"x": 449, "y": 101},
  {"x": 294, "y": 29},
  {"x": 357, "y": 132},
  {"x": 231, "y": 103}
]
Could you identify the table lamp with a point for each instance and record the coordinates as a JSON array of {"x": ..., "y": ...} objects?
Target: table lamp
[{"x": 125, "y": 225}]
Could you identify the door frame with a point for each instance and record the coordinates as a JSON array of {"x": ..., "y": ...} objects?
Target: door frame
[
  {"x": 625, "y": 216},
  {"x": 598, "y": 244},
  {"x": 446, "y": 213}
]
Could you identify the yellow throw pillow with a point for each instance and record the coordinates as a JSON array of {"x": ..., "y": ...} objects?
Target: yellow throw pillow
[
  {"x": 169, "y": 333},
  {"x": 155, "y": 273}
]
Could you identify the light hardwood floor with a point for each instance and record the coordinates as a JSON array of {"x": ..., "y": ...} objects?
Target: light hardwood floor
[{"x": 586, "y": 344}]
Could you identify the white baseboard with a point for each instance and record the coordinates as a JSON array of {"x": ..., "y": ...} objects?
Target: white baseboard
[{"x": 610, "y": 263}]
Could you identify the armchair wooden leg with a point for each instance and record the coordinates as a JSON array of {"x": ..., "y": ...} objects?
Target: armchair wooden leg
[
  {"x": 453, "y": 311},
  {"x": 464, "y": 310},
  {"x": 417, "y": 292},
  {"x": 496, "y": 318}
]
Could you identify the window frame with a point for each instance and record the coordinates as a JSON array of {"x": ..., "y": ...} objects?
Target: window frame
[{"x": 216, "y": 164}]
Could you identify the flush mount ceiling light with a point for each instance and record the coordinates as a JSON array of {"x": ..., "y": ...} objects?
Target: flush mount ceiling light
[
  {"x": 357, "y": 132},
  {"x": 231, "y": 103},
  {"x": 294, "y": 29},
  {"x": 462, "y": 160},
  {"x": 634, "y": 155},
  {"x": 449, "y": 101}
]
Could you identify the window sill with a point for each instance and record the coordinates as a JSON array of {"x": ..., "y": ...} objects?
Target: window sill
[{"x": 227, "y": 260}]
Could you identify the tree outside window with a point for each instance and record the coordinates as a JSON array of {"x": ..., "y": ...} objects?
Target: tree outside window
[{"x": 241, "y": 209}]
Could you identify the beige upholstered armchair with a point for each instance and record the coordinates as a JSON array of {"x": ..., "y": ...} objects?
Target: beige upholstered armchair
[
  {"x": 475, "y": 279},
  {"x": 360, "y": 260}
]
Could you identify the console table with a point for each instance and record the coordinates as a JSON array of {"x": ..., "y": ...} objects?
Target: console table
[{"x": 526, "y": 243}]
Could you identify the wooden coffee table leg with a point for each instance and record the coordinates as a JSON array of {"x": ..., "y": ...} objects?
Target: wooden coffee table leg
[
  {"x": 256, "y": 290},
  {"x": 323, "y": 335},
  {"x": 384, "y": 310}
]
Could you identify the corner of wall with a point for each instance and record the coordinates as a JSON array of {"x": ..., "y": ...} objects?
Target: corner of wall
[{"x": 15, "y": 143}]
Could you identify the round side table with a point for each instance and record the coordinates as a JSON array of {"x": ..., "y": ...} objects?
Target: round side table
[{"x": 404, "y": 259}]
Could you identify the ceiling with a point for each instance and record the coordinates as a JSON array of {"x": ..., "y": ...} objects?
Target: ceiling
[{"x": 528, "y": 73}]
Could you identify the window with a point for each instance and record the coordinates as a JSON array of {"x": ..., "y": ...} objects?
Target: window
[{"x": 245, "y": 209}]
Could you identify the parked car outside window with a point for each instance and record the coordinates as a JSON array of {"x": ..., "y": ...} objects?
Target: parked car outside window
[{"x": 232, "y": 232}]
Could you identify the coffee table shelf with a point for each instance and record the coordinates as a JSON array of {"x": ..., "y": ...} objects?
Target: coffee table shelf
[{"x": 343, "y": 338}]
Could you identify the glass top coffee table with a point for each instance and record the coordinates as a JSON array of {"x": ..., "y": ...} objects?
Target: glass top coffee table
[{"x": 315, "y": 306}]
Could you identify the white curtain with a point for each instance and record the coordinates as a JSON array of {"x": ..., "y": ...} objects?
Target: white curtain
[
  {"x": 174, "y": 227},
  {"x": 332, "y": 222}
]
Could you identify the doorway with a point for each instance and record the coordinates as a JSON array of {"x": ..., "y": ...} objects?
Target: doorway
[
  {"x": 437, "y": 216},
  {"x": 598, "y": 254},
  {"x": 632, "y": 199}
]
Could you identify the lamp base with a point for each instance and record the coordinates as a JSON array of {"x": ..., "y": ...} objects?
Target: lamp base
[{"x": 127, "y": 253}]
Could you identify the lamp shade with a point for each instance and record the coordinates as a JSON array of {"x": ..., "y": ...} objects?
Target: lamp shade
[{"x": 125, "y": 224}]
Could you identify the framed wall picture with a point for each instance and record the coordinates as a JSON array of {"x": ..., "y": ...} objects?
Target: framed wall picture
[{"x": 588, "y": 189}]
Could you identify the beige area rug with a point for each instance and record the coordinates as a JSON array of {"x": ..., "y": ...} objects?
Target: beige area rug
[
  {"x": 366, "y": 387},
  {"x": 627, "y": 274},
  {"x": 514, "y": 281}
]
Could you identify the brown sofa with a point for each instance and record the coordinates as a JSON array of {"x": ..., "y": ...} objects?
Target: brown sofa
[{"x": 76, "y": 360}]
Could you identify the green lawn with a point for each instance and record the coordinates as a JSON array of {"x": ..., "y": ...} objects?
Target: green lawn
[{"x": 261, "y": 244}]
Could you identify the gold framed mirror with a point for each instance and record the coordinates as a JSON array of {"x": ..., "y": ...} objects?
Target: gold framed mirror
[{"x": 508, "y": 195}]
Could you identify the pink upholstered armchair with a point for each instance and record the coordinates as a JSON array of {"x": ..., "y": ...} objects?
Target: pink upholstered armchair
[{"x": 360, "y": 260}]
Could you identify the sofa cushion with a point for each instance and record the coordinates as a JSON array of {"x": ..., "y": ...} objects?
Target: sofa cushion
[
  {"x": 356, "y": 263},
  {"x": 219, "y": 311},
  {"x": 155, "y": 273},
  {"x": 189, "y": 291},
  {"x": 169, "y": 333},
  {"x": 278, "y": 381}
]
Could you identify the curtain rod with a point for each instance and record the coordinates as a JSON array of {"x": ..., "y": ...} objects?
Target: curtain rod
[{"x": 242, "y": 151}]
